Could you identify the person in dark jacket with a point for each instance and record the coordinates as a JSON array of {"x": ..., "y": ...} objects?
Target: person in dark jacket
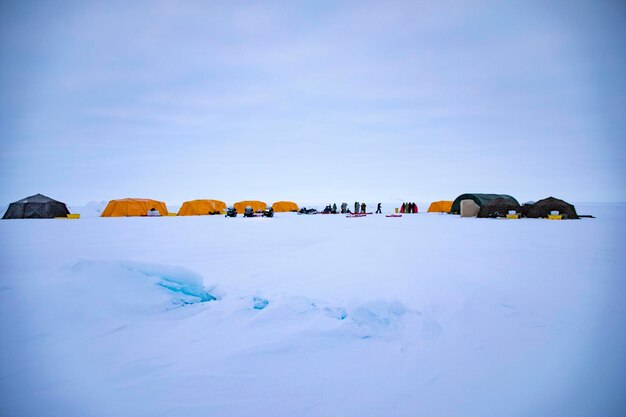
[
  {"x": 363, "y": 206},
  {"x": 379, "y": 208},
  {"x": 356, "y": 206}
]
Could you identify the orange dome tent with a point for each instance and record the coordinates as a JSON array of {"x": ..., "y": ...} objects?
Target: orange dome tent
[
  {"x": 256, "y": 206},
  {"x": 128, "y": 207},
  {"x": 200, "y": 207},
  {"x": 285, "y": 206},
  {"x": 443, "y": 206}
]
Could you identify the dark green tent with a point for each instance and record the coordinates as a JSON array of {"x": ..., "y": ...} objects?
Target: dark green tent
[
  {"x": 479, "y": 199},
  {"x": 36, "y": 207}
]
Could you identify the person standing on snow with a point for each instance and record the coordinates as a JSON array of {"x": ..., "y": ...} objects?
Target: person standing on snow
[
  {"x": 363, "y": 207},
  {"x": 356, "y": 207},
  {"x": 379, "y": 208}
]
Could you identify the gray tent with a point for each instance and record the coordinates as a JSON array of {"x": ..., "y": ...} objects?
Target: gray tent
[
  {"x": 480, "y": 199},
  {"x": 36, "y": 207}
]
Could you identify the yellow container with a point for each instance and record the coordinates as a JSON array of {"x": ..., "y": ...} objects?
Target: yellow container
[
  {"x": 73, "y": 216},
  {"x": 172, "y": 214},
  {"x": 396, "y": 210},
  {"x": 555, "y": 217},
  {"x": 512, "y": 216}
]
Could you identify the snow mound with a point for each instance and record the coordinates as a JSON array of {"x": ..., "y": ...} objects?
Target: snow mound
[
  {"x": 125, "y": 281},
  {"x": 377, "y": 318},
  {"x": 187, "y": 284}
]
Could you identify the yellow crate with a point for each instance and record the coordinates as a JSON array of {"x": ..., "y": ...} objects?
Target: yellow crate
[
  {"x": 555, "y": 217},
  {"x": 512, "y": 216},
  {"x": 172, "y": 214},
  {"x": 73, "y": 216}
]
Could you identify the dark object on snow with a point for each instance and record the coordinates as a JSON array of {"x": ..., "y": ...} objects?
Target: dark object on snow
[
  {"x": 36, "y": 207},
  {"x": 231, "y": 212},
  {"x": 480, "y": 199},
  {"x": 248, "y": 212},
  {"x": 269, "y": 212},
  {"x": 498, "y": 207},
  {"x": 542, "y": 208},
  {"x": 304, "y": 210}
]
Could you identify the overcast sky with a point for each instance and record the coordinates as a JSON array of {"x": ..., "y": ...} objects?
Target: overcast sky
[{"x": 312, "y": 101}]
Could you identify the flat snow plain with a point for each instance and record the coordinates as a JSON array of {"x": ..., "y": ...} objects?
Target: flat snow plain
[{"x": 424, "y": 315}]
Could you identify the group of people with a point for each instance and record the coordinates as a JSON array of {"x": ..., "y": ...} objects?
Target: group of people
[
  {"x": 359, "y": 208},
  {"x": 408, "y": 208},
  {"x": 330, "y": 209}
]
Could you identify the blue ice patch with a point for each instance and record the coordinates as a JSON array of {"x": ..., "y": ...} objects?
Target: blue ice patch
[{"x": 259, "y": 303}]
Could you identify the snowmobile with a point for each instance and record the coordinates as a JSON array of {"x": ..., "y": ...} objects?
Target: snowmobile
[
  {"x": 231, "y": 212},
  {"x": 269, "y": 212},
  {"x": 248, "y": 212}
]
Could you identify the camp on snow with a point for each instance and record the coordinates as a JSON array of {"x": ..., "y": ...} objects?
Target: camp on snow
[
  {"x": 131, "y": 207},
  {"x": 201, "y": 207},
  {"x": 257, "y": 206},
  {"x": 443, "y": 206},
  {"x": 285, "y": 206},
  {"x": 36, "y": 206},
  {"x": 479, "y": 199}
]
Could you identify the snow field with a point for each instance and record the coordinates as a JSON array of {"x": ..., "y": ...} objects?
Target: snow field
[{"x": 312, "y": 316}]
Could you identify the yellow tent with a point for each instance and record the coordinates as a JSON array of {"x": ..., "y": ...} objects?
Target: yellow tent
[
  {"x": 256, "y": 206},
  {"x": 285, "y": 206},
  {"x": 440, "y": 206},
  {"x": 133, "y": 207},
  {"x": 200, "y": 207}
]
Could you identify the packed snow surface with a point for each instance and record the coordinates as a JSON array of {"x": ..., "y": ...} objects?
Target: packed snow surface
[{"x": 423, "y": 315}]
